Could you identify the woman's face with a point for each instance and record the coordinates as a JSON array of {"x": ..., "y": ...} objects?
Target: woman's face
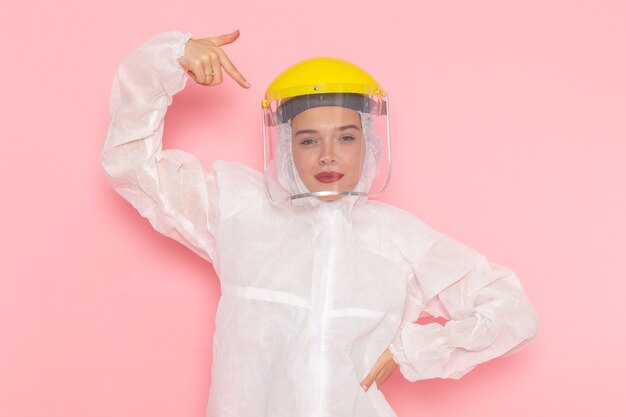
[{"x": 328, "y": 149}]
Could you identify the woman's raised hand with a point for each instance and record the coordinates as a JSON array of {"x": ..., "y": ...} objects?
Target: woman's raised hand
[{"x": 204, "y": 60}]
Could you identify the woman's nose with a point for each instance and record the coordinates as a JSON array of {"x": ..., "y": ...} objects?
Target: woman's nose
[{"x": 327, "y": 155}]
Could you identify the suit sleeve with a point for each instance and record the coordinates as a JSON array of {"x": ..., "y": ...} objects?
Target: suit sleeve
[
  {"x": 487, "y": 311},
  {"x": 168, "y": 187}
]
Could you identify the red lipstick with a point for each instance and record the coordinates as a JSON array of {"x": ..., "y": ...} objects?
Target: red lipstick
[{"x": 328, "y": 177}]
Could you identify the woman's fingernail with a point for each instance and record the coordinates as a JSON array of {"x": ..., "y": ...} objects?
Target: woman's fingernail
[{"x": 364, "y": 387}]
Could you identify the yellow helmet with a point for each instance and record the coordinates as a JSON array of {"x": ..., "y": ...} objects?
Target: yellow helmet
[
  {"x": 322, "y": 81},
  {"x": 322, "y": 75}
]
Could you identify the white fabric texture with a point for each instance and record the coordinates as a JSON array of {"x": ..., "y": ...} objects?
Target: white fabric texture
[{"x": 311, "y": 295}]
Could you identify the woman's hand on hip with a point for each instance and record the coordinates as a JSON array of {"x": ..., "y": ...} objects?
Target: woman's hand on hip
[
  {"x": 204, "y": 59},
  {"x": 381, "y": 371}
]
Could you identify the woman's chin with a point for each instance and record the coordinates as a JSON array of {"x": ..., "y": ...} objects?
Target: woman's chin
[
  {"x": 333, "y": 197},
  {"x": 330, "y": 197}
]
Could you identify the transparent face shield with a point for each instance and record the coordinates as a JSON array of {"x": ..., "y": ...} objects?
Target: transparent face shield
[{"x": 326, "y": 146}]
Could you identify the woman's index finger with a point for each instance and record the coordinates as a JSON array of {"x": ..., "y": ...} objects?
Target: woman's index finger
[{"x": 231, "y": 70}]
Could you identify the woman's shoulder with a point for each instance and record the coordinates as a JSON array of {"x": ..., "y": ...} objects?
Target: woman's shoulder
[
  {"x": 400, "y": 229},
  {"x": 237, "y": 171},
  {"x": 394, "y": 216},
  {"x": 410, "y": 231},
  {"x": 238, "y": 185}
]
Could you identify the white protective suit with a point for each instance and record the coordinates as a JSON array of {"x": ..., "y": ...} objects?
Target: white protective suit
[{"x": 312, "y": 294}]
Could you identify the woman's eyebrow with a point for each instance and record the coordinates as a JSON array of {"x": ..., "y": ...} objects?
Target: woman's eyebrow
[
  {"x": 313, "y": 131},
  {"x": 346, "y": 127},
  {"x": 306, "y": 131}
]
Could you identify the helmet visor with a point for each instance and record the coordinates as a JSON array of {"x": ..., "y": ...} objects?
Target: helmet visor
[{"x": 326, "y": 146}]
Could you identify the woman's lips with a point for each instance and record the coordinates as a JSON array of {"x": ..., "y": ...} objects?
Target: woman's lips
[{"x": 327, "y": 177}]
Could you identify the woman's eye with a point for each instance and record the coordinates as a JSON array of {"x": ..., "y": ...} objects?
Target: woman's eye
[
  {"x": 307, "y": 142},
  {"x": 347, "y": 138}
]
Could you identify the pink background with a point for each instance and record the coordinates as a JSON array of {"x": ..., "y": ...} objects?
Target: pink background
[{"x": 508, "y": 122}]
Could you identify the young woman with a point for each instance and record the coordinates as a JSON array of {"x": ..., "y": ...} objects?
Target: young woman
[{"x": 321, "y": 286}]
